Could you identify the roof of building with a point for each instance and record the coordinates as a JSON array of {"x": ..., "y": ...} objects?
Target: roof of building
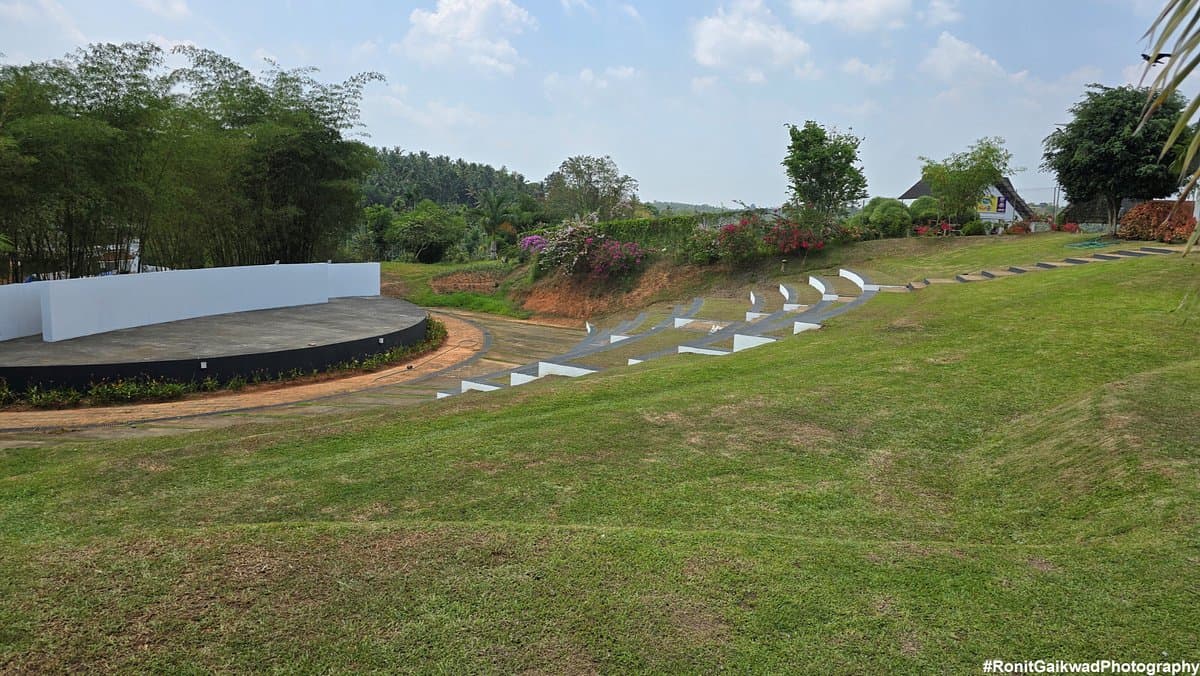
[{"x": 1004, "y": 187}]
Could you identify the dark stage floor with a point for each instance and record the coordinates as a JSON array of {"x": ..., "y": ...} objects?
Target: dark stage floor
[{"x": 261, "y": 331}]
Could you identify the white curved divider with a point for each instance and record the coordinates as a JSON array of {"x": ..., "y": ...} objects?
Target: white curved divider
[
  {"x": 547, "y": 368},
  {"x": 443, "y": 395},
  {"x": 753, "y": 298},
  {"x": 784, "y": 292},
  {"x": 353, "y": 279},
  {"x": 631, "y": 361},
  {"x": 744, "y": 342},
  {"x": 689, "y": 349},
  {"x": 616, "y": 338},
  {"x": 820, "y": 287},
  {"x": 589, "y": 327},
  {"x": 469, "y": 385},
  {"x": 681, "y": 322},
  {"x": 21, "y": 310},
  {"x": 857, "y": 280},
  {"x": 751, "y": 316},
  {"x": 515, "y": 379},
  {"x": 801, "y": 327}
]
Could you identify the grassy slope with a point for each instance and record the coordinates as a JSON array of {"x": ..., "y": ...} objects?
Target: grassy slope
[
  {"x": 414, "y": 280},
  {"x": 995, "y": 470}
]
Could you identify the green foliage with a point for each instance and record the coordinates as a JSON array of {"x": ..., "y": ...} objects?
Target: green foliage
[
  {"x": 924, "y": 210},
  {"x": 1163, "y": 221},
  {"x": 128, "y": 391},
  {"x": 662, "y": 232},
  {"x": 1102, "y": 153},
  {"x": 959, "y": 181},
  {"x": 203, "y": 165},
  {"x": 886, "y": 216},
  {"x": 823, "y": 169},
  {"x": 426, "y": 232},
  {"x": 590, "y": 185},
  {"x": 403, "y": 179},
  {"x": 975, "y": 227},
  {"x": 701, "y": 247},
  {"x": 41, "y": 397}
]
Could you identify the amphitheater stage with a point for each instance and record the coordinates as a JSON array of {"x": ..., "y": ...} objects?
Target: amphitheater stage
[{"x": 248, "y": 345}]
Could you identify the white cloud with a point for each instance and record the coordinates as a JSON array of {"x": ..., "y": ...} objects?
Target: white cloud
[
  {"x": 433, "y": 114},
  {"x": 941, "y": 12},
  {"x": 746, "y": 38},
  {"x": 881, "y": 72},
  {"x": 60, "y": 17},
  {"x": 863, "y": 109},
  {"x": 586, "y": 84},
  {"x": 171, "y": 9},
  {"x": 703, "y": 83},
  {"x": 17, "y": 11},
  {"x": 167, "y": 44},
  {"x": 854, "y": 15},
  {"x": 364, "y": 50},
  {"x": 631, "y": 11},
  {"x": 953, "y": 60},
  {"x": 570, "y": 5},
  {"x": 474, "y": 31}
]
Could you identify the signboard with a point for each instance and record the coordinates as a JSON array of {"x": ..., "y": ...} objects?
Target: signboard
[{"x": 992, "y": 204}]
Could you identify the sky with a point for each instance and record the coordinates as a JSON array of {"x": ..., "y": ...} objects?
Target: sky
[{"x": 691, "y": 98}]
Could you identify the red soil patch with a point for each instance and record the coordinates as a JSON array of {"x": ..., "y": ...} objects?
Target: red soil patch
[
  {"x": 476, "y": 282},
  {"x": 582, "y": 298}
]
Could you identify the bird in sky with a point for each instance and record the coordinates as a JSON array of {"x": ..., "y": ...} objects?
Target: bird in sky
[{"x": 1156, "y": 59}]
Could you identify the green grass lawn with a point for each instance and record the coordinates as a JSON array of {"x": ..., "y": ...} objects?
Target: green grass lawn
[
  {"x": 414, "y": 279},
  {"x": 996, "y": 470}
]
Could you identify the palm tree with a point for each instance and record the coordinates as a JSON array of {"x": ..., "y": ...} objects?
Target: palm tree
[
  {"x": 493, "y": 208},
  {"x": 1175, "y": 35}
]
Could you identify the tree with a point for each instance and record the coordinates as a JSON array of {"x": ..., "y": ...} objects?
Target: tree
[
  {"x": 427, "y": 232},
  {"x": 924, "y": 210},
  {"x": 959, "y": 181},
  {"x": 1102, "y": 154},
  {"x": 492, "y": 208},
  {"x": 824, "y": 170},
  {"x": 584, "y": 185},
  {"x": 888, "y": 216}
]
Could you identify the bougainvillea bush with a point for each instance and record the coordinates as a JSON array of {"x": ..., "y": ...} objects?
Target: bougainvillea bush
[
  {"x": 532, "y": 244},
  {"x": 738, "y": 242},
  {"x": 616, "y": 259},
  {"x": 580, "y": 250},
  {"x": 786, "y": 237},
  {"x": 1159, "y": 221}
]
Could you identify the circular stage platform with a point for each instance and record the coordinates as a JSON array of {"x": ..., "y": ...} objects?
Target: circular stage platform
[{"x": 261, "y": 343}]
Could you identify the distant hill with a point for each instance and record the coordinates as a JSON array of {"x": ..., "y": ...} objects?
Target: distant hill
[{"x": 684, "y": 208}]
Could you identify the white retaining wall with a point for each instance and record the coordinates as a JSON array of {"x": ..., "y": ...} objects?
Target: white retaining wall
[
  {"x": 353, "y": 279},
  {"x": 70, "y": 308},
  {"x": 857, "y": 280},
  {"x": 744, "y": 342},
  {"x": 21, "y": 310}
]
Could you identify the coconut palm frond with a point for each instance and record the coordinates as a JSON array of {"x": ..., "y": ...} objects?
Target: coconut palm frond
[{"x": 1176, "y": 31}]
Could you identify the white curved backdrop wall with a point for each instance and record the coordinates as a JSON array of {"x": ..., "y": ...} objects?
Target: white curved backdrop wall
[{"x": 71, "y": 308}]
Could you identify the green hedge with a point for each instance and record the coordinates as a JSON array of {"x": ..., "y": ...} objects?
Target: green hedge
[{"x": 663, "y": 232}]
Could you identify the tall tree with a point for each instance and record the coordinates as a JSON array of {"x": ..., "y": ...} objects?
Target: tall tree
[
  {"x": 959, "y": 181},
  {"x": 585, "y": 184},
  {"x": 493, "y": 209},
  {"x": 824, "y": 170},
  {"x": 1102, "y": 154}
]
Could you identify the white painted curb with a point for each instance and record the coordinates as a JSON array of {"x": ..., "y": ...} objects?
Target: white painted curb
[
  {"x": 742, "y": 342},
  {"x": 468, "y": 386},
  {"x": 858, "y": 280},
  {"x": 688, "y": 349},
  {"x": 801, "y": 327},
  {"x": 515, "y": 379},
  {"x": 820, "y": 287},
  {"x": 546, "y": 368}
]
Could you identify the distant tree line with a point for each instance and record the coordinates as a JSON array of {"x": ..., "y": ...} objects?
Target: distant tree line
[{"x": 106, "y": 153}]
